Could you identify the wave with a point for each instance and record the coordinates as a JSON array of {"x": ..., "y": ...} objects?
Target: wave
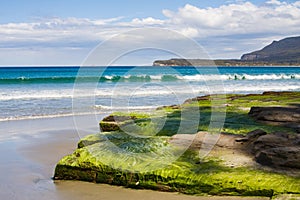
[
  {"x": 102, "y": 107},
  {"x": 6, "y": 95},
  {"x": 157, "y": 92},
  {"x": 148, "y": 78},
  {"x": 103, "y": 110},
  {"x": 224, "y": 77},
  {"x": 42, "y": 116}
]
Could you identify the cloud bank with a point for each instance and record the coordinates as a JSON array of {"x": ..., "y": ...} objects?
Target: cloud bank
[
  {"x": 244, "y": 18},
  {"x": 225, "y": 31}
]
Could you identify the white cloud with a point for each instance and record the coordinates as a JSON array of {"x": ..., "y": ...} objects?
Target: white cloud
[
  {"x": 57, "y": 32},
  {"x": 189, "y": 32},
  {"x": 275, "y": 2},
  {"x": 296, "y": 4},
  {"x": 239, "y": 18},
  {"x": 146, "y": 21}
]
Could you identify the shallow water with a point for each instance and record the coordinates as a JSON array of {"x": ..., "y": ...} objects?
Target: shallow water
[{"x": 41, "y": 92}]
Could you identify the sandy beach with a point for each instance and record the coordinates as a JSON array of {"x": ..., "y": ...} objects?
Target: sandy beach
[{"x": 30, "y": 150}]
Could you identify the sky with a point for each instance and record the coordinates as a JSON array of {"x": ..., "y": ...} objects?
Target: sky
[{"x": 64, "y": 32}]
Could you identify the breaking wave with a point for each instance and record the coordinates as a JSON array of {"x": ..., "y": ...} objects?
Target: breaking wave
[{"x": 148, "y": 78}]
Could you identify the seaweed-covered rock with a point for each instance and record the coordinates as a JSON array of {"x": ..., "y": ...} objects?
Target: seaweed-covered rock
[
  {"x": 117, "y": 158},
  {"x": 115, "y": 122},
  {"x": 173, "y": 107}
]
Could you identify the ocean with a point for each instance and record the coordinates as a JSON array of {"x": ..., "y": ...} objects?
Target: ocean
[{"x": 47, "y": 92}]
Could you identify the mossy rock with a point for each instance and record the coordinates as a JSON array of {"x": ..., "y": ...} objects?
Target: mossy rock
[
  {"x": 185, "y": 175},
  {"x": 96, "y": 161},
  {"x": 116, "y": 121}
]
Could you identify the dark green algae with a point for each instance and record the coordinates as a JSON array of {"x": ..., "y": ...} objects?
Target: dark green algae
[{"x": 116, "y": 158}]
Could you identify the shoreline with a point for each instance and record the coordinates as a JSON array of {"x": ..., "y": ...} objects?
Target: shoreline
[{"x": 14, "y": 129}]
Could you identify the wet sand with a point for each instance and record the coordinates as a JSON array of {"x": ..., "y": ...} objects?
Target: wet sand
[{"x": 30, "y": 150}]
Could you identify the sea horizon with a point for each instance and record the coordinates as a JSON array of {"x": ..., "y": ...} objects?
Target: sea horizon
[{"x": 78, "y": 66}]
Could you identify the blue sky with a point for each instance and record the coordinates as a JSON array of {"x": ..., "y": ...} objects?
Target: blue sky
[
  {"x": 29, "y": 10},
  {"x": 63, "y": 32}
]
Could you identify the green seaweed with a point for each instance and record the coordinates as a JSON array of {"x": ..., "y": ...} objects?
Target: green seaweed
[
  {"x": 119, "y": 158},
  {"x": 185, "y": 175}
]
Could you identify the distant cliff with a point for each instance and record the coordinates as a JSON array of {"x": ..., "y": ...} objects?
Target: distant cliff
[{"x": 283, "y": 51}]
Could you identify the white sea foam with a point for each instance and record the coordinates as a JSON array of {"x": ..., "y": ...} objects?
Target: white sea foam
[
  {"x": 102, "y": 107},
  {"x": 17, "y": 118},
  {"x": 202, "y": 77},
  {"x": 35, "y": 94},
  {"x": 97, "y": 108},
  {"x": 260, "y": 88},
  {"x": 224, "y": 77}
]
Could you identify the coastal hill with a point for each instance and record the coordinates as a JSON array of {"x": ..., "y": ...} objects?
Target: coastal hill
[
  {"x": 286, "y": 50},
  {"x": 283, "y": 52}
]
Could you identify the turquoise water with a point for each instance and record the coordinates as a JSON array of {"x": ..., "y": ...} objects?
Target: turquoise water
[{"x": 40, "y": 92}]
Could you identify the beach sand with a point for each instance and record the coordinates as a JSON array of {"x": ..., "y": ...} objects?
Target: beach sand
[{"x": 30, "y": 150}]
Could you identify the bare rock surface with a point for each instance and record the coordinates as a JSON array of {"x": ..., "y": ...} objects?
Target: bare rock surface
[
  {"x": 286, "y": 116},
  {"x": 276, "y": 149}
]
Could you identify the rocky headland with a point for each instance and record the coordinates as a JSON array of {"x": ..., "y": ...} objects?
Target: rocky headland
[
  {"x": 256, "y": 152},
  {"x": 285, "y": 52}
]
